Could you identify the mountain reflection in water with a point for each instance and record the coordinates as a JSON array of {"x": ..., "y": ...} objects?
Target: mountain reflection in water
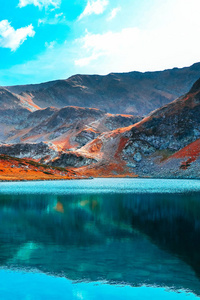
[{"x": 135, "y": 239}]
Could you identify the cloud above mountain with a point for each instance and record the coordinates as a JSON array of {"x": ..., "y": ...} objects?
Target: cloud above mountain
[
  {"x": 94, "y": 7},
  {"x": 149, "y": 47},
  {"x": 11, "y": 38},
  {"x": 40, "y": 3}
]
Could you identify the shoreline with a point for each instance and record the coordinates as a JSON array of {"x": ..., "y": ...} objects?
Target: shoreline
[{"x": 101, "y": 177}]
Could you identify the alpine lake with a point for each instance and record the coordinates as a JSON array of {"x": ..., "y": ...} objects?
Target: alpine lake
[{"x": 100, "y": 239}]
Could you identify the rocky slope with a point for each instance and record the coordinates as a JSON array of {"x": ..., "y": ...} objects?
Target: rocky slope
[
  {"x": 67, "y": 128},
  {"x": 36, "y": 151},
  {"x": 13, "y": 110},
  {"x": 164, "y": 144},
  {"x": 10, "y": 100},
  {"x": 130, "y": 93}
]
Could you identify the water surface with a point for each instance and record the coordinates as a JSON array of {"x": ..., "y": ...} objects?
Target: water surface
[{"x": 102, "y": 238}]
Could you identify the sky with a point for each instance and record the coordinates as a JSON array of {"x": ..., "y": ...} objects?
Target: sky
[{"x": 44, "y": 40}]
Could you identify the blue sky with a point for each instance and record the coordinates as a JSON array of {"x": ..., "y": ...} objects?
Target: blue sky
[{"x": 42, "y": 40}]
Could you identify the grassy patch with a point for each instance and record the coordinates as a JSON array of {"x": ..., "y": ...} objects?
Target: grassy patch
[
  {"x": 48, "y": 173},
  {"x": 24, "y": 162},
  {"x": 165, "y": 154}
]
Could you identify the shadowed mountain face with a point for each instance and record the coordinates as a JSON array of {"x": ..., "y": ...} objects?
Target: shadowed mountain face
[
  {"x": 14, "y": 108},
  {"x": 130, "y": 93},
  {"x": 10, "y": 100}
]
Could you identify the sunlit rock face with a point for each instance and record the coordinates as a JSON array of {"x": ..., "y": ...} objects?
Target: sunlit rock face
[
  {"x": 40, "y": 151},
  {"x": 72, "y": 160}
]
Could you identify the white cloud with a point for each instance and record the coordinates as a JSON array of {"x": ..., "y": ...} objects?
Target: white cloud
[
  {"x": 57, "y": 19},
  {"x": 82, "y": 62},
  {"x": 11, "y": 38},
  {"x": 50, "y": 45},
  {"x": 113, "y": 13},
  {"x": 59, "y": 15},
  {"x": 139, "y": 49},
  {"x": 94, "y": 7},
  {"x": 40, "y": 3},
  {"x": 174, "y": 43}
]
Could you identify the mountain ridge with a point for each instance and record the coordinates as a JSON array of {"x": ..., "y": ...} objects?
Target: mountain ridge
[{"x": 130, "y": 93}]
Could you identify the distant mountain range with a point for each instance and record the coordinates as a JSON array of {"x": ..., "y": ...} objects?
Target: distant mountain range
[
  {"x": 88, "y": 131},
  {"x": 130, "y": 93}
]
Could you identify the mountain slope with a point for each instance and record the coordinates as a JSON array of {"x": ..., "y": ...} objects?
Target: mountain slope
[
  {"x": 147, "y": 148},
  {"x": 95, "y": 143},
  {"x": 13, "y": 110},
  {"x": 21, "y": 169},
  {"x": 66, "y": 128},
  {"x": 10, "y": 100},
  {"x": 130, "y": 93}
]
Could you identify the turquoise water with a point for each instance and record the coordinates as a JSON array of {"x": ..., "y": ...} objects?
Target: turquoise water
[
  {"x": 100, "y": 239},
  {"x": 96, "y": 186},
  {"x": 40, "y": 286}
]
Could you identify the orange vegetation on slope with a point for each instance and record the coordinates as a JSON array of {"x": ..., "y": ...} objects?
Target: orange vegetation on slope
[
  {"x": 121, "y": 146},
  {"x": 115, "y": 132},
  {"x": 189, "y": 153},
  {"x": 95, "y": 147},
  {"x": 28, "y": 103},
  {"x": 90, "y": 129},
  {"x": 107, "y": 169},
  {"x": 64, "y": 142},
  {"x": 23, "y": 169},
  {"x": 122, "y": 115}
]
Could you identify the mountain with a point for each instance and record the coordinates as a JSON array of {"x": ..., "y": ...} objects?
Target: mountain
[
  {"x": 36, "y": 151},
  {"x": 93, "y": 142},
  {"x": 66, "y": 128},
  {"x": 13, "y": 110},
  {"x": 130, "y": 93},
  {"x": 164, "y": 144},
  {"x": 10, "y": 100}
]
